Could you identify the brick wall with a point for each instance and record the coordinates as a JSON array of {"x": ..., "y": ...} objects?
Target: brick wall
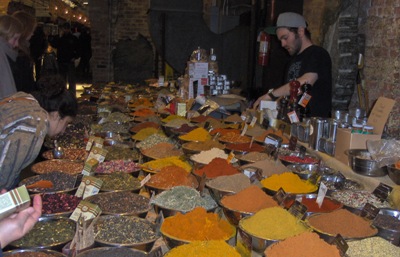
[{"x": 382, "y": 68}]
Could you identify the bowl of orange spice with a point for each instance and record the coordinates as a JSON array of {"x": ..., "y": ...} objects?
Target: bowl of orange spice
[{"x": 196, "y": 225}]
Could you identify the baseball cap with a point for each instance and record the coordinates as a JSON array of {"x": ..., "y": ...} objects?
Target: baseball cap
[{"x": 288, "y": 20}]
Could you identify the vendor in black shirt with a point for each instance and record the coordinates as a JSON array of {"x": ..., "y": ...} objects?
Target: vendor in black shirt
[{"x": 310, "y": 64}]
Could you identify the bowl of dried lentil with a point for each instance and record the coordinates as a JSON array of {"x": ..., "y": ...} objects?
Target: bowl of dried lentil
[{"x": 65, "y": 166}]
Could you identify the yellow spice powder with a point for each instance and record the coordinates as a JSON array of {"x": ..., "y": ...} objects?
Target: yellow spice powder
[
  {"x": 273, "y": 223},
  {"x": 168, "y": 161},
  {"x": 146, "y": 132},
  {"x": 214, "y": 248},
  {"x": 198, "y": 134},
  {"x": 289, "y": 182}
]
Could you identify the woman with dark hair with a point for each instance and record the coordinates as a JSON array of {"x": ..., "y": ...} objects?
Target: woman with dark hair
[{"x": 25, "y": 120}]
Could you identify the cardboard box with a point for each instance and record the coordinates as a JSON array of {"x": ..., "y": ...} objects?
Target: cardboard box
[{"x": 346, "y": 140}]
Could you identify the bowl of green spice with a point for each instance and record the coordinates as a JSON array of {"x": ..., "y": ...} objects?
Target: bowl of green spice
[{"x": 48, "y": 233}]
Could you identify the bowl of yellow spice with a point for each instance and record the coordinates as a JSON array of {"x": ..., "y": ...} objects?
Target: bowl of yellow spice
[
  {"x": 289, "y": 182},
  {"x": 268, "y": 226},
  {"x": 196, "y": 135},
  {"x": 196, "y": 225}
]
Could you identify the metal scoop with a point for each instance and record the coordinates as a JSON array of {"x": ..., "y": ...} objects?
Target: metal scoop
[{"x": 58, "y": 152}]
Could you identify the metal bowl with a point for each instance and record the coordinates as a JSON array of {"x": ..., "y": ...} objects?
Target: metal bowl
[
  {"x": 394, "y": 173},
  {"x": 173, "y": 242},
  {"x": 392, "y": 235},
  {"x": 62, "y": 182},
  {"x": 60, "y": 226},
  {"x": 217, "y": 193},
  {"x": 112, "y": 251},
  {"x": 361, "y": 163},
  {"x": 120, "y": 203},
  {"x": 66, "y": 166},
  {"x": 34, "y": 252},
  {"x": 329, "y": 237},
  {"x": 310, "y": 159},
  {"x": 234, "y": 216},
  {"x": 105, "y": 224},
  {"x": 157, "y": 190},
  {"x": 304, "y": 171},
  {"x": 336, "y": 183}
]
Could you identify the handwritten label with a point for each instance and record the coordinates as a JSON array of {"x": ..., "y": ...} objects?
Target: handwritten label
[
  {"x": 321, "y": 194},
  {"x": 145, "y": 180}
]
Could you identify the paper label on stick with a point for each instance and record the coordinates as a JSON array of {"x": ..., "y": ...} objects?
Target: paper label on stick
[{"x": 321, "y": 194}]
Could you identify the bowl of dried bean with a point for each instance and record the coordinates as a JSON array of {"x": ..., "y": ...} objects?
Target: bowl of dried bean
[
  {"x": 62, "y": 182},
  {"x": 65, "y": 166},
  {"x": 125, "y": 231},
  {"x": 48, "y": 233},
  {"x": 121, "y": 203},
  {"x": 69, "y": 154},
  {"x": 33, "y": 253}
]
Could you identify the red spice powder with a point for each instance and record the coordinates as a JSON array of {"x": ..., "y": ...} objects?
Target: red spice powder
[
  {"x": 224, "y": 131},
  {"x": 327, "y": 205},
  {"x": 217, "y": 167}
]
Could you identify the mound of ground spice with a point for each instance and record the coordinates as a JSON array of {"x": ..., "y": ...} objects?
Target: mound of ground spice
[
  {"x": 146, "y": 132},
  {"x": 343, "y": 222},
  {"x": 185, "y": 128},
  {"x": 162, "y": 150},
  {"x": 251, "y": 199},
  {"x": 217, "y": 167},
  {"x": 147, "y": 124},
  {"x": 203, "y": 146},
  {"x": 197, "y": 225},
  {"x": 143, "y": 112},
  {"x": 224, "y": 131},
  {"x": 245, "y": 147},
  {"x": 289, "y": 182},
  {"x": 204, "y": 249},
  {"x": 171, "y": 176},
  {"x": 198, "y": 134},
  {"x": 232, "y": 137},
  {"x": 307, "y": 244}
]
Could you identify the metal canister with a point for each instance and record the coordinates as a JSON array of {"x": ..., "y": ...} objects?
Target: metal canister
[
  {"x": 316, "y": 132},
  {"x": 333, "y": 130}
]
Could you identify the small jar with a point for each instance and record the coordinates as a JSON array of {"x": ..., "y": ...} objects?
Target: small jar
[
  {"x": 368, "y": 130},
  {"x": 357, "y": 129}
]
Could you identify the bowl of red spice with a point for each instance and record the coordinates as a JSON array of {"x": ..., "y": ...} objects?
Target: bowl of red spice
[
  {"x": 310, "y": 201},
  {"x": 59, "y": 204}
]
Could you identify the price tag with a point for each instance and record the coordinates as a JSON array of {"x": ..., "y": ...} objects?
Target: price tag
[
  {"x": 280, "y": 196},
  {"x": 159, "y": 220},
  {"x": 292, "y": 143},
  {"x": 382, "y": 191},
  {"x": 249, "y": 171},
  {"x": 244, "y": 244},
  {"x": 85, "y": 210},
  {"x": 144, "y": 181},
  {"x": 98, "y": 154},
  {"x": 369, "y": 211},
  {"x": 340, "y": 243},
  {"x": 156, "y": 252},
  {"x": 298, "y": 210},
  {"x": 202, "y": 183},
  {"x": 89, "y": 186},
  {"x": 253, "y": 122},
  {"x": 231, "y": 155},
  {"x": 321, "y": 194},
  {"x": 244, "y": 129},
  {"x": 257, "y": 176}
]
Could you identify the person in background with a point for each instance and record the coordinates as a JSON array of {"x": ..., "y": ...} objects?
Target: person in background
[
  {"x": 49, "y": 62},
  {"x": 38, "y": 46},
  {"x": 10, "y": 32},
  {"x": 86, "y": 49},
  {"x": 310, "y": 64},
  {"x": 23, "y": 68},
  {"x": 19, "y": 224},
  {"x": 25, "y": 120},
  {"x": 67, "y": 52}
]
